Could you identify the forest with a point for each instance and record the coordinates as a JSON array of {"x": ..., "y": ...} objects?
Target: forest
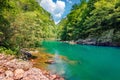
[
  {"x": 84, "y": 45},
  {"x": 98, "y": 20},
  {"x": 23, "y": 24}
]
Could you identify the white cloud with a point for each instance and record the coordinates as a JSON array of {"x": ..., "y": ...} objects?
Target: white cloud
[
  {"x": 69, "y": 1},
  {"x": 56, "y": 22},
  {"x": 56, "y": 9},
  {"x": 58, "y": 15}
]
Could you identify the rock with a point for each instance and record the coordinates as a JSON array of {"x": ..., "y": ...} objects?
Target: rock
[
  {"x": 86, "y": 41},
  {"x": 98, "y": 42},
  {"x": 35, "y": 52},
  {"x": 8, "y": 73},
  {"x": 25, "y": 54},
  {"x": 2, "y": 76},
  {"x": 18, "y": 74},
  {"x": 61, "y": 78},
  {"x": 53, "y": 77},
  {"x": 2, "y": 62},
  {"x": 25, "y": 65},
  {"x": 34, "y": 74},
  {"x": 7, "y": 78},
  {"x": 72, "y": 42},
  {"x": 26, "y": 78},
  {"x": 10, "y": 57},
  {"x": 46, "y": 73},
  {"x": 50, "y": 62},
  {"x": 20, "y": 64},
  {"x": 2, "y": 70},
  {"x": 15, "y": 69},
  {"x": 10, "y": 65},
  {"x": 2, "y": 57}
]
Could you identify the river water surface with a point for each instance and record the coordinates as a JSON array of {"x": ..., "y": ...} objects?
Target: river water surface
[{"x": 93, "y": 62}]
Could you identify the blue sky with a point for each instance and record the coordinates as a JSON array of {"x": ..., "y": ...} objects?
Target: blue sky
[{"x": 58, "y": 8}]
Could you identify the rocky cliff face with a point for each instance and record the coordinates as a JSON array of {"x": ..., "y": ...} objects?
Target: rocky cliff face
[{"x": 106, "y": 38}]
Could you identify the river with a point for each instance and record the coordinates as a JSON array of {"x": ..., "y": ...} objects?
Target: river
[{"x": 93, "y": 62}]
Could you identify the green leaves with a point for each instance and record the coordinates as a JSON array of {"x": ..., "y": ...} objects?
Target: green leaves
[
  {"x": 91, "y": 18},
  {"x": 24, "y": 23}
]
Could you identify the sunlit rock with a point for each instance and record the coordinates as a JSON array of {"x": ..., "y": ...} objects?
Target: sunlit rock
[{"x": 18, "y": 73}]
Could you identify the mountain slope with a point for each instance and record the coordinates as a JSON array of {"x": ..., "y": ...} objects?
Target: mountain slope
[
  {"x": 23, "y": 23},
  {"x": 96, "y": 20}
]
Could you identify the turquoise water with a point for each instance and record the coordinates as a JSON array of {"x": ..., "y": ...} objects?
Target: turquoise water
[{"x": 94, "y": 62}]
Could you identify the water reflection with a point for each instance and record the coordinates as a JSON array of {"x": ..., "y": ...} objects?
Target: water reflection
[{"x": 59, "y": 66}]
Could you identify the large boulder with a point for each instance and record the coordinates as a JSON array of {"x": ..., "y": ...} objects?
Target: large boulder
[
  {"x": 25, "y": 54},
  {"x": 18, "y": 74},
  {"x": 9, "y": 74}
]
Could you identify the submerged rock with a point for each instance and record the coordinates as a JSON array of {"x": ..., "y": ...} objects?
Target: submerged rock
[{"x": 50, "y": 62}]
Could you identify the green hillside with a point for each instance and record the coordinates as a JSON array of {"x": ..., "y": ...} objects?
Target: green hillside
[
  {"x": 23, "y": 23},
  {"x": 93, "y": 19}
]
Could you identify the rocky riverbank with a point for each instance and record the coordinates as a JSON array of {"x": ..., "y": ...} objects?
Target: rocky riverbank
[
  {"x": 103, "y": 42},
  {"x": 17, "y": 69},
  {"x": 94, "y": 42}
]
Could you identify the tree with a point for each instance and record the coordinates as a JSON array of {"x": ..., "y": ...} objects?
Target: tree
[
  {"x": 23, "y": 23},
  {"x": 93, "y": 19}
]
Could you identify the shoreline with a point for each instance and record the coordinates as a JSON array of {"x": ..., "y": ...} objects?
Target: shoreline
[
  {"x": 93, "y": 42},
  {"x": 12, "y": 68}
]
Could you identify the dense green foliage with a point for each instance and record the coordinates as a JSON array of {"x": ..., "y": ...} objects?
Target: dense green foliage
[
  {"x": 23, "y": 23},
  {"x": 4, "y": 50},
  {"x": 98, "y": 19}
]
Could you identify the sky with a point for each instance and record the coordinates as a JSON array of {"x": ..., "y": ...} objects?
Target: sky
[{"x": 58, "y": 8}]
